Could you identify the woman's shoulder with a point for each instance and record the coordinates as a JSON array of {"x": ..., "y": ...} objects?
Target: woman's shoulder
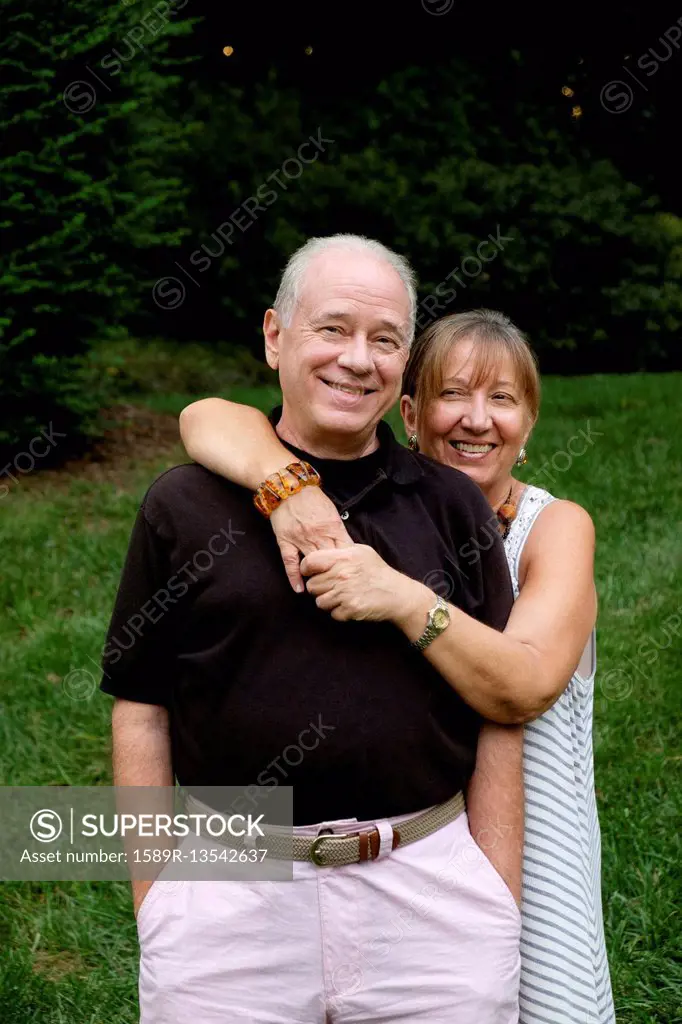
[
  {"x": 560, "y": 534},
  {"x": 558, "y": 520}
]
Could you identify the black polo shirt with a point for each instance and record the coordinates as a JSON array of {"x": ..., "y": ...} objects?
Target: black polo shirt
[{"x": 263, "y": 687}]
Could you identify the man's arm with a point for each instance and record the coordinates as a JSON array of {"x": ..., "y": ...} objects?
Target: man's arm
[
  {"x": 138, "y": 664},
  {"x": 495, "y": 801},
  {"x": 142, "y": 757}
]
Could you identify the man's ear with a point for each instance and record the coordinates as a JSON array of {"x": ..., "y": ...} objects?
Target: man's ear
[
  {"x": 272, "y": 333},
  {"x": 408, "y": 414}
]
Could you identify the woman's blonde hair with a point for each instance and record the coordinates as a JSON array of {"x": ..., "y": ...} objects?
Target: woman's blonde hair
[{"x": 494, "y": 336}]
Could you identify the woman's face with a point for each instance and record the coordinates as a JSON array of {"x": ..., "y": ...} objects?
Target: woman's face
[{"x": 480, "y": 430}]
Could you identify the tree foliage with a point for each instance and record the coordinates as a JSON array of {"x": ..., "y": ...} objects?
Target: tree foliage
[
  {"x": 89, "y": 181},
  {"x": 433, "y": 162}
]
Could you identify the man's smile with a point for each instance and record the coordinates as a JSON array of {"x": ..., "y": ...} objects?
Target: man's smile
[{"x": 357, "y": 390}]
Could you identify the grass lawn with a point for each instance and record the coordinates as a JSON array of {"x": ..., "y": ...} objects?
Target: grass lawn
[{"x": 69, "y": 950}]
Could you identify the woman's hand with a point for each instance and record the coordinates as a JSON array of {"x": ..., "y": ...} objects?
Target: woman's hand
[
  {"x": 355, "y": 583},
  {"x": 306, "y": 522}
]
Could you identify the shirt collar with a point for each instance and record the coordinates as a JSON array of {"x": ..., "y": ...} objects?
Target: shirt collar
[{"x": 402, "y": 466}]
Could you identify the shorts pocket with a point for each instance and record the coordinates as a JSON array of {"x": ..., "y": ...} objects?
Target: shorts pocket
[
  {"x": 497, "y": 882},
  {"x": 161, "y": 884},
  {"x": 149, "y": 898}
]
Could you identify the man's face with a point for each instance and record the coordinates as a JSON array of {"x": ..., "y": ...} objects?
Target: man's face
[{"x": 342, "y": 357}]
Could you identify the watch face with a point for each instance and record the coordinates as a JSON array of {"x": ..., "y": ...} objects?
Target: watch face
[{"x": 440, "y": 618}]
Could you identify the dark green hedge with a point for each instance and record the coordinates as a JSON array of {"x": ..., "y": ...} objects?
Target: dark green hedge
[{"x": 434, "y": 162}]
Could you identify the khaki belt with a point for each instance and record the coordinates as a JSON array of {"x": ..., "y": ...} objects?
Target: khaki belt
[{"x": 336, "y": 849}]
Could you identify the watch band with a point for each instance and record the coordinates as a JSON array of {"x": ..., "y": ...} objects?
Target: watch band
[{"x": 432, "y": 630}]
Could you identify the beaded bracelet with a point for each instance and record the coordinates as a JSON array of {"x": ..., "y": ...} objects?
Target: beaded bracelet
[{"x": 277, "y": 487}]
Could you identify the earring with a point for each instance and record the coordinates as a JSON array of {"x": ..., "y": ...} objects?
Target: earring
[
  {"x": 522, "y": 457},
  {"x": 412, "y": 443}
]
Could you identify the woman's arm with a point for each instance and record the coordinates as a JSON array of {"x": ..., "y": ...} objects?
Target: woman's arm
[
  {"x": 509, "y": 677},
  {"x": 239, "y": 443},
  {"x": 527, "y": 667},
  {"x": 232, "y": 440}
]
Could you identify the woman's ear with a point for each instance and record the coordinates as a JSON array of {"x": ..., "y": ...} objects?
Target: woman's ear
[
  {"x": 407, "y": 411},
  {"x": 530, "y": 427}
]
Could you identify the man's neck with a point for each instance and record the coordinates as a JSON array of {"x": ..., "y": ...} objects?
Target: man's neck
[{"x": 325, "y": 445}]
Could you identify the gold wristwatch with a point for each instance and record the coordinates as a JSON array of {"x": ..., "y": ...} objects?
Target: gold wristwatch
[{"x": 437, "y": 621}]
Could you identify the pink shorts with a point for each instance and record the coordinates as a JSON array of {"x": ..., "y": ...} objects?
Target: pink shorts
[{"x": 427, "y": 932}]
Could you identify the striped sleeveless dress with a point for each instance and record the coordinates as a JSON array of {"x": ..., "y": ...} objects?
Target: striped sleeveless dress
[{"x": 564, "y": 969}]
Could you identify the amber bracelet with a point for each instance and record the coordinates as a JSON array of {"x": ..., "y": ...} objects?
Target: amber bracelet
[{"x": 277, "y": 487}]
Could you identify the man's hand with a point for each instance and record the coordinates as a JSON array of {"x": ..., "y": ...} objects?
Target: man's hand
[
  {"x": 355, "y": 583},
  {"x": 305, "y": 522}
]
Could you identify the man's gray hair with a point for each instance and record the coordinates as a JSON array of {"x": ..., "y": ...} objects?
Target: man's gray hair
[{"x": 290, "y": 285}]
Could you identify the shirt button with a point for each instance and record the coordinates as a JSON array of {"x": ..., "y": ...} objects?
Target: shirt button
[{"x": 344, "y": 515}]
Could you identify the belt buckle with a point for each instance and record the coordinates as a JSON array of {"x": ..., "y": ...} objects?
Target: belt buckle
[{"x": 315, "y": 855}]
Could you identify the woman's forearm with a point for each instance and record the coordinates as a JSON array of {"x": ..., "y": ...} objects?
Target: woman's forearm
[
  {"x": 232, "y": 440},
  {"x": 500, "y": 677}
]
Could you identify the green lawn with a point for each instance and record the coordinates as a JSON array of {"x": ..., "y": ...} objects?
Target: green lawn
[{"x": 69, "y": 950}]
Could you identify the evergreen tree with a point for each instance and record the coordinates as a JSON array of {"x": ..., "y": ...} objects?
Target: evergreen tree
[{"x": 89, "y": 181}]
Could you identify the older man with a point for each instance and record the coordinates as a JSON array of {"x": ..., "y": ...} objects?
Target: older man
[{"x": 396, "y": 916}]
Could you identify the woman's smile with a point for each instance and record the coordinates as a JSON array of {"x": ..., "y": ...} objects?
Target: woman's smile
[{"x": 472, "y": 450}]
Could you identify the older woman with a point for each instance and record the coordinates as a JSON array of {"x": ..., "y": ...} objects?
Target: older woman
[{"x": 471, "y": 399}]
